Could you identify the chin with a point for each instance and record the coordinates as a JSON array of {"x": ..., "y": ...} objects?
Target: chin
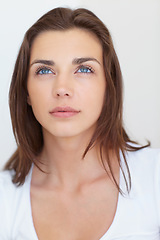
[{"x": 70, "y": 131}]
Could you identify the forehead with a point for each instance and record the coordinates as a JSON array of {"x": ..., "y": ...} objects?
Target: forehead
[{"x": 76, "y": 42}]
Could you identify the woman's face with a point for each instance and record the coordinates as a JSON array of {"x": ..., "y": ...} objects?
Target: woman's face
[{"x": 66, "y": 82}]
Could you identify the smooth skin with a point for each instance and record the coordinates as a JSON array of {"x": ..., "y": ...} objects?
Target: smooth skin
[{"x": 76, "y": 200}]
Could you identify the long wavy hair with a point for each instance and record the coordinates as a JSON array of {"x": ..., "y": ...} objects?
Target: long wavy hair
[{"x": 109, "y": 132}]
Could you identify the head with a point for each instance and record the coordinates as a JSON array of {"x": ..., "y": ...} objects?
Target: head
[{"x": 109, "y": 131}]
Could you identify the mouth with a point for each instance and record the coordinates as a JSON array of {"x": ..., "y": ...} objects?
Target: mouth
[{"x": 64, "y": 112}]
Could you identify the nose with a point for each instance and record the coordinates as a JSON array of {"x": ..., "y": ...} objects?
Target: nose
[
  {"x": 62, "y": 92},
  {"x": 63, "y": 87}
]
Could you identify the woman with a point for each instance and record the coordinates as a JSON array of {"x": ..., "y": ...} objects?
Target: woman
[{"x": 75, "y": 174}]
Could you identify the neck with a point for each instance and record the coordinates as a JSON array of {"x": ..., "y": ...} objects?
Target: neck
[{"x": 62, "y": 158}]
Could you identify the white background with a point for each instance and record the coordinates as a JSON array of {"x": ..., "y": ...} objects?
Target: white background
[{"x": 135, "y": 29}]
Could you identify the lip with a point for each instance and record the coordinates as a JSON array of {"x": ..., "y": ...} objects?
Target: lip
[{"x": 64, "y": 112}]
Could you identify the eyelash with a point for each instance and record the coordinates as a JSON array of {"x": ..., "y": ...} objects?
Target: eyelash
[
  {"x": 79, "y": 67},
  {"x": 42, "y": 68},
  {"x": 85, "y": 67}
]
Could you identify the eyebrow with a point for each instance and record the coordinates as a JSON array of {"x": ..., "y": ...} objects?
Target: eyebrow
[
  {"x": 75, "y": 61},
  {"x": 46, "y": 62},
  {"x": 86, "y": 59}
]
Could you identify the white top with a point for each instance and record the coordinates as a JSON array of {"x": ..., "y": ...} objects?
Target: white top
[{"x": 137, "y": 216}]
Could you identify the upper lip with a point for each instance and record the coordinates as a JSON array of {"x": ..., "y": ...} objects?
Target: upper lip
[{"x": 64, "y": 109}]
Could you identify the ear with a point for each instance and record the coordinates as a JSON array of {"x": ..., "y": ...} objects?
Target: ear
[{"x": 28, "y": 100}]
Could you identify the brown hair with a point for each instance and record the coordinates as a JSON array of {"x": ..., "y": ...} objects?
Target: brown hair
[{"x": 28, "y": 132}]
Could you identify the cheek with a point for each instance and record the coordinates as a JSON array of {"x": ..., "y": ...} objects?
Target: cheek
[
  {"x": 37, "y": 99},
  {"x": 38, "y": 93},
  {"x": 94, "y": 99},
  {"x": 96, "y": 94}
]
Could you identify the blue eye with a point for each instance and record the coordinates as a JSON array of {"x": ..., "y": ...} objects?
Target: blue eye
[
  {"x": 84, "y": 69},
  {"x": 43, "y": 71}
]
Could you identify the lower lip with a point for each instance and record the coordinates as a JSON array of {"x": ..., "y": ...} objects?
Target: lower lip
[{"x": 64, "y": 114}]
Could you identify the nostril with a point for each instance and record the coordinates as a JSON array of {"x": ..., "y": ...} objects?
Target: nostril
[{"x": 62, "y": 94}]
